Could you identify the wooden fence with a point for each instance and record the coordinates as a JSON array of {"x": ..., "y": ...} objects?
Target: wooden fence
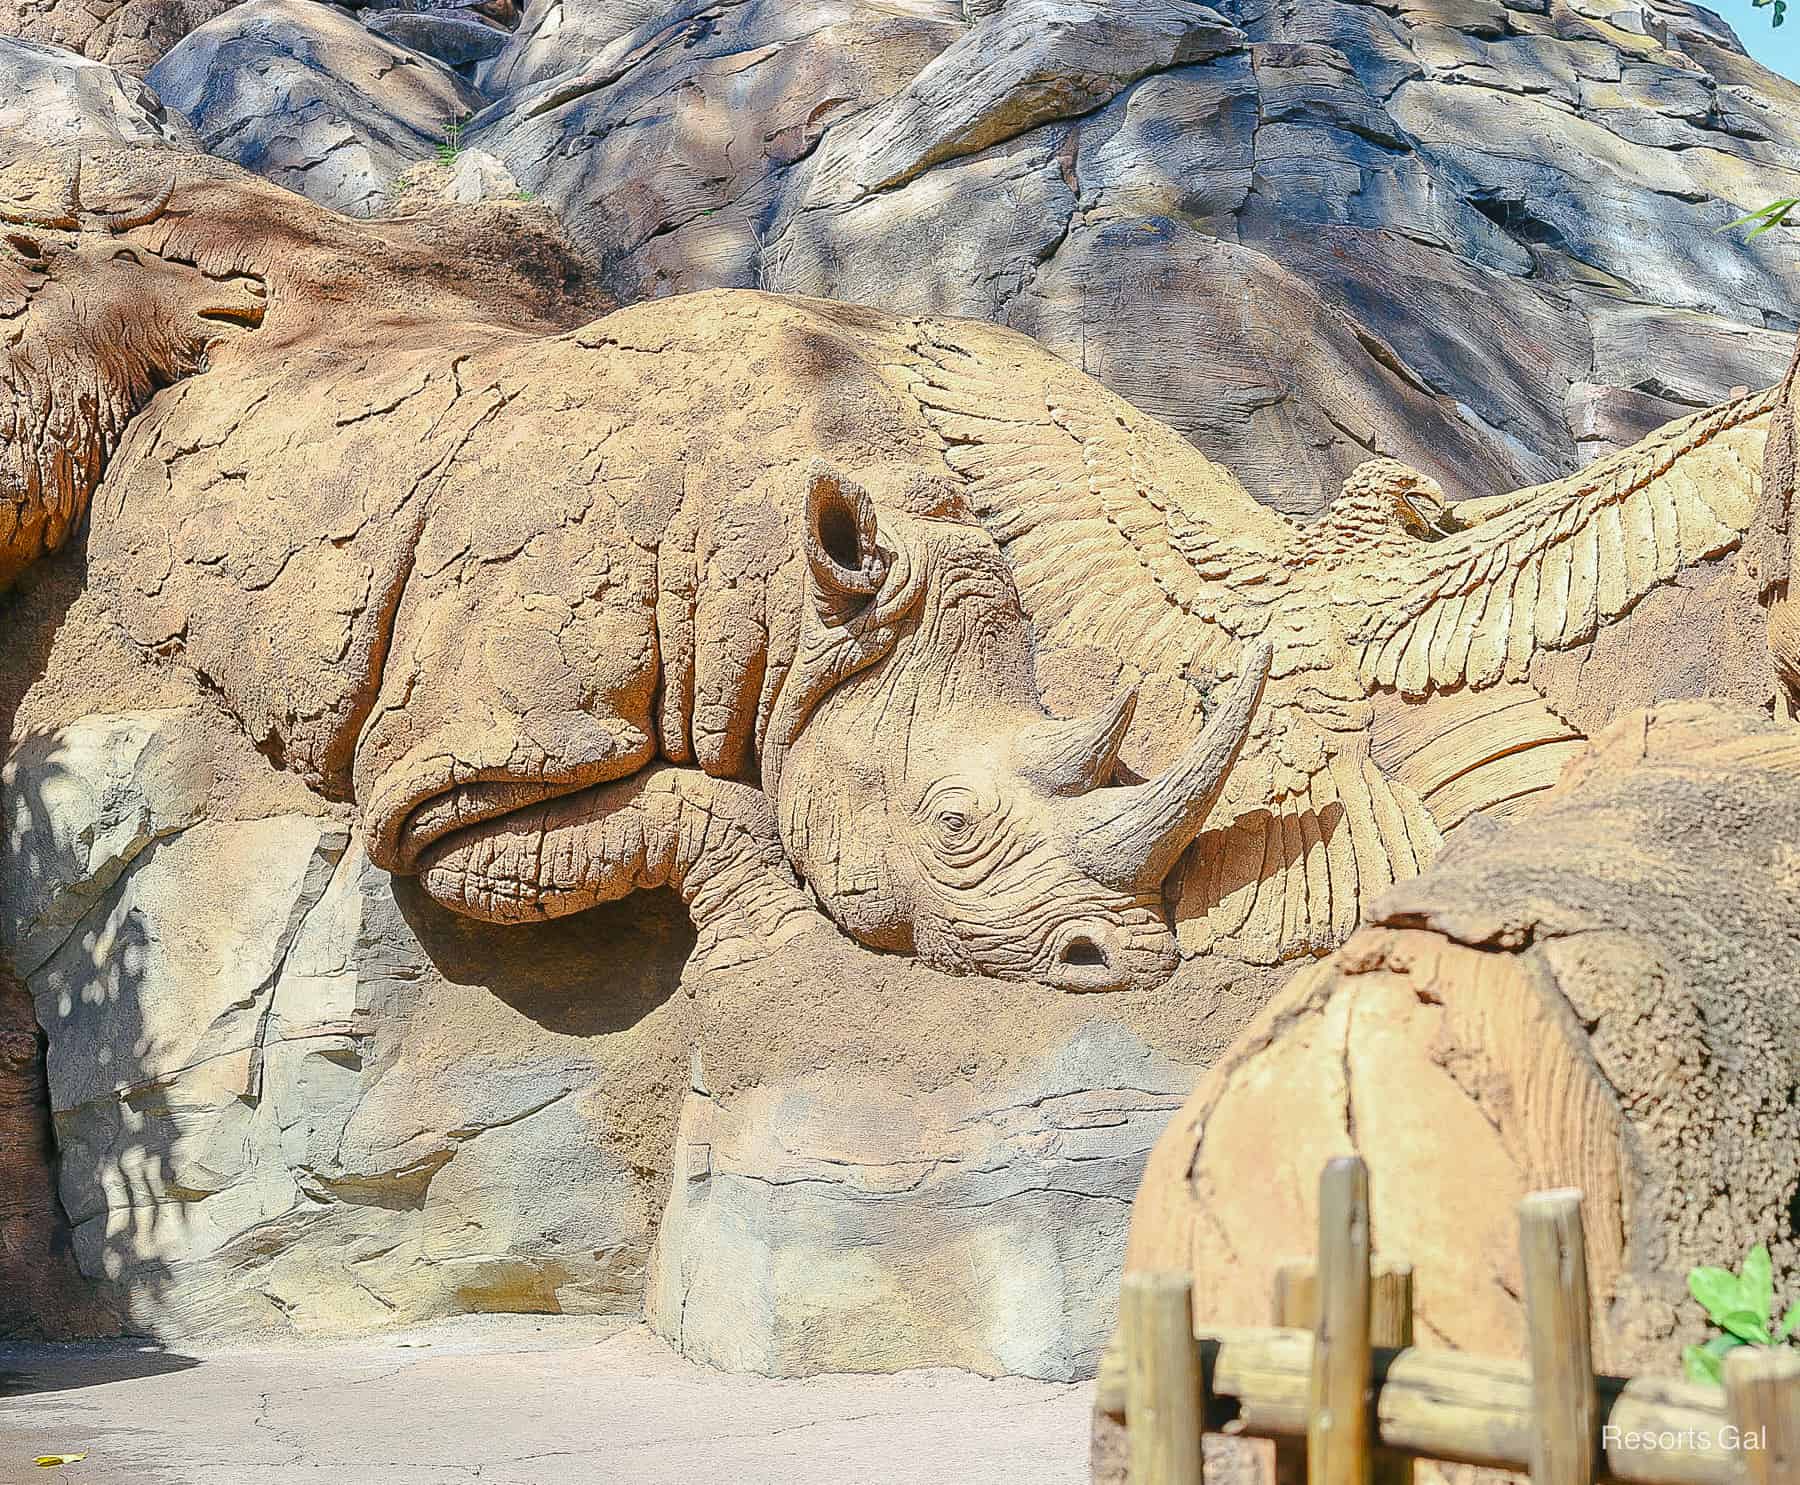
[{"x": 1348, "y": 1400}]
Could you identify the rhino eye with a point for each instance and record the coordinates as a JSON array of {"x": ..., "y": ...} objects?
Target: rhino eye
[{"x": 953, "y": 822}]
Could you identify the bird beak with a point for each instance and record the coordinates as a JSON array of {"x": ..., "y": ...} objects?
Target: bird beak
[{"x": 1434, "y": 517}]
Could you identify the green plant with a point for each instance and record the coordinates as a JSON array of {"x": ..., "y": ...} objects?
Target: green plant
[
  {"x": 1772, "y": 215},
  {"x": 450, "y": 146},
  {"x": 1776, "y": 212},
  {"x": 1739, "y": 1304}
]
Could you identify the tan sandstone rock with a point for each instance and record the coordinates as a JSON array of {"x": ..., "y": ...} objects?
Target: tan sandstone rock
[
  {"x": 1594, "y": 997},
  {"x": 130, "y": 35}
]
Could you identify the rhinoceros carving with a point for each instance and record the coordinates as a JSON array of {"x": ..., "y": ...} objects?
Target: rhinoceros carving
[
  {"x": 724, "y": 593},
  {"x": 686, "y": 598}
]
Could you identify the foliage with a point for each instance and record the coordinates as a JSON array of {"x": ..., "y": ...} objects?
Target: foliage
[
  {"x": 451, "y": 145},
  {"x": 1739, "y": 1304},
  {"x": 1776, "y": 212},
  {"x": 1772, "y": 215}
]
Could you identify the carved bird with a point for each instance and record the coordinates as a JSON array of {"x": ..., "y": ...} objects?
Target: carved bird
[{"x": 1404, "y": 629}]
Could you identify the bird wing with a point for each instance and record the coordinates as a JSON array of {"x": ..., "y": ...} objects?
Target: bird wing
[
  {"x": 1120, "y": 534},
  {"x": 1310, "y": 828},
  {"x": 1125, "y": 539},
  {"x": 1544, "y": 568}
]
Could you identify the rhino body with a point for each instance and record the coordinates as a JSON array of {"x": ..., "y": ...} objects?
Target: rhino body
[{"x": 686, "y": 597}]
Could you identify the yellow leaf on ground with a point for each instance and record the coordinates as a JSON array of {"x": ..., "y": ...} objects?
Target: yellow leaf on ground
[{"x": 50, "y": 1461}]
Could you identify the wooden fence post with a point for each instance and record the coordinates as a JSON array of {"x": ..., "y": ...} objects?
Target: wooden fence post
[
  {"x": 1296, "y": 1308},
  {"x": 1165, "y": 1411},
  {"x": 1762, "y": 1390},
  {"x": 1337, "y": 1432},
  {"x": 1390, "y": 1324},
  {"x": 1564, "y": 1404}
]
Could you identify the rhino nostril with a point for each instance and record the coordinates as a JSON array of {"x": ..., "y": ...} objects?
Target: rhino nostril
[{"x": 1083, "y": 950}]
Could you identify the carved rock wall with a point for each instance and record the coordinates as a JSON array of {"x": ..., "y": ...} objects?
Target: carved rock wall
[
  {"x": 290, "y": 1094},
  {"x": 1597, "y": 996},
  {"x": 1475, "y": 236},
  {"x": 284, "y": 1095}
]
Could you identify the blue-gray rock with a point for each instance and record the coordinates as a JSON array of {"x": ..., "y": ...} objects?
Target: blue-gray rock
[
  {"x": 306, "y": 95},
  {"x": 1305, "y": 233},
  {"x": 457, "y": 38},
  {"x": 52, "y": 96}
]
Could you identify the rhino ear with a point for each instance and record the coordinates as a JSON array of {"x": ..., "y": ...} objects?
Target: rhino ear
[{"x": 840, "y": 540}]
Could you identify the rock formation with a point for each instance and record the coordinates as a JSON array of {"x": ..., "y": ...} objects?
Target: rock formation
[
  {"x": 49, "y": 96},
  {"x": 1478, "y": 238},
  {"x": 314, "y": 100},
  {"x": 421, "y": 595},
  {"x": 129, "y": 35},
  {"x": 1596, "y": 996}
]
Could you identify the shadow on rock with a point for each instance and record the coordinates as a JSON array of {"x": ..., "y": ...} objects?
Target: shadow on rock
[
  {"x": 596, "y": 972},
  {"x": 27, "y": 1370}
]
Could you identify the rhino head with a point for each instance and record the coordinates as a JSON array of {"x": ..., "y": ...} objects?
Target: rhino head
[{"x": 932, "y": 804}]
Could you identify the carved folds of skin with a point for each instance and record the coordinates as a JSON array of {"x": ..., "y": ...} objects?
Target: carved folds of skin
[{"x": 670, "y": 601}]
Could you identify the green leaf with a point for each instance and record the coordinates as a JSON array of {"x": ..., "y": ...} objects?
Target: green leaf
[
  {"x": 1766, "y": 217},
  {"x": 1702, "y": 1366},
  {"x": 1717, "y": 1291},
  {"x": 1788, "y": 1322},
  {"x": 1756, "y": 1282},
  {"x": 1748, "y": 1326}
]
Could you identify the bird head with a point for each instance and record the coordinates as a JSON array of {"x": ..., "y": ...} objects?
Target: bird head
[{"x": 1387, "y": 499}]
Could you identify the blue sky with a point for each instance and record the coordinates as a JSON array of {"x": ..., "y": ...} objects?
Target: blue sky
[{"x": 1779, "y": 50}]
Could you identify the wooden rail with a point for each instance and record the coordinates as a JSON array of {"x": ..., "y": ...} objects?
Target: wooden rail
[{"x": 1389, "y": 1404}]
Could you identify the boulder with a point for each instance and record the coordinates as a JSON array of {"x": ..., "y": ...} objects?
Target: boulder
[
  {"x": 559, "y": 37},
  {"x": 1598, "y": 996},
  {"x": 665, "y": 152},
  {"x": 305, "y": 95},
  {"x": 131, "y": 35},
  {"x": 457, "y": 38},
  {"x": 50, "y": 96}
]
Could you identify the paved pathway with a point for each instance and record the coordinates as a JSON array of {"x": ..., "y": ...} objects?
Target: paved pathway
[{"x": 514, "y": 1400}]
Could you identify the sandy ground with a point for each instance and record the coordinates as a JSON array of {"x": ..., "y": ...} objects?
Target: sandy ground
[{"x": 514, "y": 1400}]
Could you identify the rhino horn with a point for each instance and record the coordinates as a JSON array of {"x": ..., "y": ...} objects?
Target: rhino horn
[
  {"x": 124, "y": 221},
  {"x": 1074, "y": 756},
  {"x": 1130, "y": 838}
]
